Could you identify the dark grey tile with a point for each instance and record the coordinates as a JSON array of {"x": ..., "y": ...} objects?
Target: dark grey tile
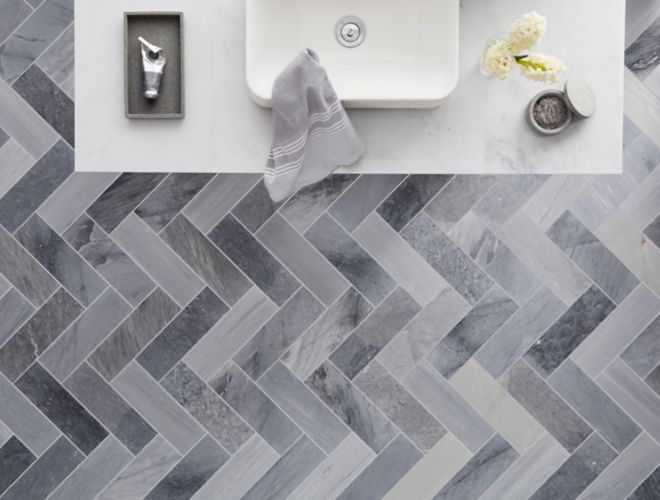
[
  {"x": 481, "y": 471},
  {"x": 47, "y": 99},
  {"x": 256, "y": 207},
  {"x": 45, "y": 245},
  {"x": 643, "y": 354},
  {"x": 169, "y": 198},
  {"x": 34, "y": 187},
  {"x": 652, "y": 231},
  {"x": 255, "y": 407},
  {"x": 14, "y": 12},
  {"x": 350, "y": 259},
  {"x": 643, "y": 55},
  {"x": 384, "y": 472},
  {"x": 133, "y": 334},
  {"x": 545, "y": 405},
  {"x": 38, "y": 333},
  {"x": 198, "y": 252},
  {"x": 4, "y": 137},
  {"x": 487, "y": 316},
  {"x": 121, "y": 197},
  {"x": 362, "y": 197},
  {"x": 375, "y": 332},
  {"x": 46, "y": 473},
  {"x": 593, "y": 257},
  {"x": 61, "y": 408},
  {"x": 182, "y": 333},
  {"x": 410, "y": 197},
  {"x": 254, "y": 260},
  {"x": 110, "y": 408},
  {"x": 288, "y": 472},
  {"x": 350, "y": 405},
  {"x": 14, "y": 459},
  {"x": 110, "y": 261},
  {"x": 594, "y": 405},
  {"x": 569, "y": 331},
  {"x": 653, "y": 380},
  {"x": 648, "y": 490},
  {"x": 268, "y": 344},
  {"x": 209, "y": 410},
  {"x": 578, "y": 471},
  {"x": 446, "y": 258},
  {"x": 14, "y": 310},
  {"x": 190, "y": 474}
]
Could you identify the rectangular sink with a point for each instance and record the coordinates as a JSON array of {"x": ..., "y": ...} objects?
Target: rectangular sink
[{"x": 406, "y": 54}]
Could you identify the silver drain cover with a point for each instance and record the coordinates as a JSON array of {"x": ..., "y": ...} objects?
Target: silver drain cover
[{"x": 350, "y": 31}]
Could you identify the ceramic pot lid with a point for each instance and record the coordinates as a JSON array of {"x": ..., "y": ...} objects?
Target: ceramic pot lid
[{"x": 580, "y": 98}]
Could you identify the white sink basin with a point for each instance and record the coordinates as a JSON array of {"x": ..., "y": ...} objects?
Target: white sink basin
[{"x": 407, "y": 59}]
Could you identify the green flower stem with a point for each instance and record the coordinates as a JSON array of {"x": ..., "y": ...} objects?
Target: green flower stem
[{"x": 530, "y": 64}]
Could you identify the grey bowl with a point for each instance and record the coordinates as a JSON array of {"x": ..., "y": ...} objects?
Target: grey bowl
[{"x": 530, "y": 113}]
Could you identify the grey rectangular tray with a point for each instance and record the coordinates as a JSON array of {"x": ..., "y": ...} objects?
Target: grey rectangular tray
[{"x": 164, "y": 29}]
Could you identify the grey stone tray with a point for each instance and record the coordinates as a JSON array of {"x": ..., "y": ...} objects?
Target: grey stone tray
[{"x": 164, "y": 29}]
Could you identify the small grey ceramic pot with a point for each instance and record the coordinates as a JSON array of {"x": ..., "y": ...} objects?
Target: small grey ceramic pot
[{"x": 530, "y": 113}]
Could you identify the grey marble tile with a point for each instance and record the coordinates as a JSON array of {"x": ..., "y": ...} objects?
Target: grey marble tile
[
  {"x": 34, "y": 337},
  {"x": 561, "y": 339},
  {"x": 254, "y": 260},
  {"x": 643, "y": 205},
  {"x": 109, "y": 408},
  {"x": 593, "y": 404},
  {"x": 364, "y": 195},
  {"x": 256, "y": 207},
  {"x": 593, "y": 257},
  {"x": 375, "y": 332},
  {"x": 158, "y": 408},
  {"x": 110, "y": 261},
  {"x": 642, "y": 56},
  {"x": 307, "y": 205},
  {"x": 206, "y": 260},
  {"x": 351, "y": 406},
  {"x": 190, "y": 474},
  {"x": 410, "y": 197},
  {"x": 133, "y": 334},
  {"x": 640, "y": 157},
  {"x": 45, "y": 245},
  {"x": 545, "y": 405},
  {"x": 14, "y": 163},
  {"x": 14, "y": 12},
  {"x": 652, "y": 231},
  {"x": 208, "y": 409},
  {"x": 302, "y": 259},
  {"x": 217, "y": 199},
  {"x": 326, "y": 334},
  {"x": 489, "y": 463},
  {"x": 190, "y": 325},
  {"x": 601, "y": 199},
  {"x": 35, "y": 186},
  {"x": 121, "y": 197},
  {"x": 73, "y": 197},
  {"x": 61, "y": 408},
  {"x": 46, "y": 473},
  {"x": 3, "y": 137},
  {"x": 297, "y": 401},
  {"x": 14, "y": 311},
  {"x": 57, "y": 60},
  {"x": 509, "y": 193},
  {"x": 578, "y": 471},
  {"x": 15, "y": 458},
  {"x": 400, "y": 407},
  {"x": 447, "y": 405},
  {"x": 649, "y": 488},
  {"x": 5, "y": 286},
  {"x": 518, "y": 334},
  {"x": 275, "y": 337},
  {"x": 48, "y": 100},
  {"x": 424, "y": 331},
  {"x": 255, "y": 407},
  {"x": 350, "y": 259},
  {"x": 169, "y": 198},
  {"x": 487, "y": 316},
  {"x": 143, "y": 473},
  {"x": 24, "y": 420},
  {"x": 385, "y": 471},
  {"x": 161, "y": 263},
  {"x": 643, "y": 354},
  {"x": 653, "y": 380},
  {"x": 84, "y": 335},
  {"x": 102, "y": 465},
  {"x": 33, "y": 36},
  {"x": 460, "y": 194},
  {"x": 446, "y": 258},
  {"x": 289, "y": 471}
]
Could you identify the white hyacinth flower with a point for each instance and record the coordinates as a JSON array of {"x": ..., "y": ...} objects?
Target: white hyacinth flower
[
  {"x": 498, "y": 60},
  {"x": 526, "y": 32},
  {"x": 540, "y": 67}
]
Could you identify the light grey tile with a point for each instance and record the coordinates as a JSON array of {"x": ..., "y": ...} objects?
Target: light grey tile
[
  {"x": 3, "y": 137},
  {"x": 14, "y": 311},
  {"x": 5, "y": 286},
  {"x": 508, "y": 194},
  {"x": 14, "y": 12},
  {"x": 641, "y": 156},
  {"x": 159, "y": 260},
  {"x": 643, "y": 354},
  {"x": 157, "y": 407},
  {"x": 445, "y": 404},
  {"x": 14, "y": 162},
  {"x": 601, "y": 198},
  {"x": 302, "y": 260},
  {"x": 57, "y": 60}
]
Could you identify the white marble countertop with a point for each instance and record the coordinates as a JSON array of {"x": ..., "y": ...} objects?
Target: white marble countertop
[{"x": 479, "y": 128}]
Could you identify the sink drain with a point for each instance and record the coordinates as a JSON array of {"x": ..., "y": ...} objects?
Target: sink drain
[{"x": 350, "y": 31}]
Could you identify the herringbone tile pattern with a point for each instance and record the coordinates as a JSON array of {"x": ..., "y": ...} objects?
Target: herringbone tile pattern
[{"x": 450, "y": 337}]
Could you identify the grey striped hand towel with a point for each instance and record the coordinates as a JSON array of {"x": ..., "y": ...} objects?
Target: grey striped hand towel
[{"x": 312, "y": 134}]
